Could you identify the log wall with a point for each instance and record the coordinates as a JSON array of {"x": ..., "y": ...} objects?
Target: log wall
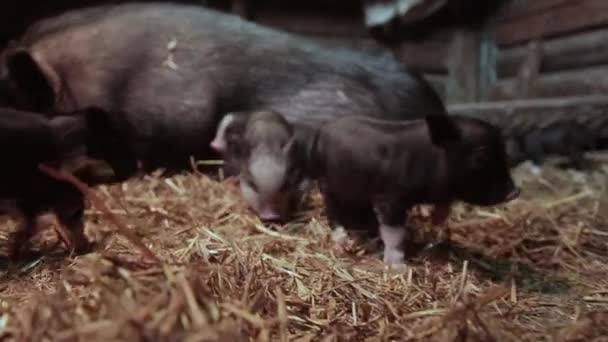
[{"x": 550, "y": 48}]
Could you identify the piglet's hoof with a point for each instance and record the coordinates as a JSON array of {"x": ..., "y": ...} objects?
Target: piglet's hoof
[
  {"x": 343, "y": 242},
  {"x": 395, "y": 259},
  {"x": 339, "y": 235}
]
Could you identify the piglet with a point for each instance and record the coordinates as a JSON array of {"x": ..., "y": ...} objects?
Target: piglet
[
  {"x": 30, "y": 139},
  {"x": 364, "y": 163},
  {"x": 261, "y": 147}
]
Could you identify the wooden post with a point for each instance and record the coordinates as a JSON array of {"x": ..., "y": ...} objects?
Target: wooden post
[
  {"x": 529, "y": 70},
  {"x": 488, "y": 60},
  {"x": 463, "y": 67}
]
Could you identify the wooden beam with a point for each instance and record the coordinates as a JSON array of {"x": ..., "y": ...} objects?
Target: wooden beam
[
  {"x": 529, "y": 70},
  {"x": 575, "y": 51},
  {"x": 589, "y": 81},
  {"x": 516, "y": 9},
  {"x": 463, "y": 66},
  {"x": 573, "y": 16},
  {"x": 487, "y": 59}
]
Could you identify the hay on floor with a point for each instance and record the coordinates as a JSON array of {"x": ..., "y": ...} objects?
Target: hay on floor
[{"x": 533, "y": 270}]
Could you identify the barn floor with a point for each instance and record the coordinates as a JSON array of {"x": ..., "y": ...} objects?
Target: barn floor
[{"x": 534, "y": 270}]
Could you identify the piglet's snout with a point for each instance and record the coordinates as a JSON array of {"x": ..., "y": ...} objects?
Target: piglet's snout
[
  {"x": 217, "y": 145},
  {"x": 269, "y": 214},
  {"x": 272, "y": 210}
]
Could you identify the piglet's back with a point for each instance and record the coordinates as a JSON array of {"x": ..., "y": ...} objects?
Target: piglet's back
[{"x": 365, "y": 132}]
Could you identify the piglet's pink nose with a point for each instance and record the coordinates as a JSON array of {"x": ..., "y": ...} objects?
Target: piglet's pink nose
[
  {"x": 269, "y": 215},
  {"x": 218, "y": 146}
]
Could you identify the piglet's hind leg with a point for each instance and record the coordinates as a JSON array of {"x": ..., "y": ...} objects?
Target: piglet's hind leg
[{"x": 393, "y": 238}]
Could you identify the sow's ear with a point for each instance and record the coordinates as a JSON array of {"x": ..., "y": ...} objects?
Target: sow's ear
[
  {"x": 442, "y": 129},
  {"x": 34, "y": 81}
]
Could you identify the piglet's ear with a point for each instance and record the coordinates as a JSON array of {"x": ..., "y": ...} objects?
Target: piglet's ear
[
  {"x": 36, "y": 81},
  {"x": 442, "y": 129}
]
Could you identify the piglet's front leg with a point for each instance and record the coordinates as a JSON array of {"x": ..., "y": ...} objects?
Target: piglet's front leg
[
  {"x": 345, "y": 220},
  {"x": 392, "y": 216},
  {"x": 440, "y": 213}
]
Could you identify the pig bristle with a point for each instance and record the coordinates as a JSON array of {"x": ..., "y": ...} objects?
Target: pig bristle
[{"x": 515, "y": 272}]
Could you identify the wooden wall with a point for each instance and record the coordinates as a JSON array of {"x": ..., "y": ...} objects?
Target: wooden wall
[{"x": 550, "y": 48}]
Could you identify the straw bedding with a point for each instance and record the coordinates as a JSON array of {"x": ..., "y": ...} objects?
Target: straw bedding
[{"x": 533, "y": 270}]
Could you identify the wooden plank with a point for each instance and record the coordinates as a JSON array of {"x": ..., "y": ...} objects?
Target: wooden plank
[
  {"x": 516, "y": 9},
  {"x": 573, "y": 17},
  {"x": 487, "y": 59},
  {"x": 580, "y": 82},
  {"x": 463, "y": 66},
  {"x": 529, "y": 70},
  {"x": 581, "y": 50}
]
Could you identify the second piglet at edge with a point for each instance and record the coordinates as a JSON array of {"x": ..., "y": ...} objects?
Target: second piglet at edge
[{"x": 393, "y": 166}]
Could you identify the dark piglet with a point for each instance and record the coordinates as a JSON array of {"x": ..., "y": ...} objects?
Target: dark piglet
[
  {"x": 30, "y": 139},
  {"x": 569, "y": 139},
  {"x": 364, "y": 163},
  {"x": 262, "y": 148},
  {"x": 173, "y": 70}
]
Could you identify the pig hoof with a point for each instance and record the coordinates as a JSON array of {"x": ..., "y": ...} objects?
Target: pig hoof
[
  {"x": 399, "y": 268},
  {"x": 394, "y": 257},
  {"x": 339, "y": 235}
]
